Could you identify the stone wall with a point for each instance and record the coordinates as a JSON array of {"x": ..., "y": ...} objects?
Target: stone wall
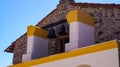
[
  {"x": 19, "y": 49},
  {"x": 54, "y": 46},
  {"x": 107, "y": 23},
  {"x": 107, "y": 26},
  {"x": 107, "y": 20}
]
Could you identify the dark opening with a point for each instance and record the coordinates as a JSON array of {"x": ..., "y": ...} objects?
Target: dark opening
[{"x": 63, "y": 41}]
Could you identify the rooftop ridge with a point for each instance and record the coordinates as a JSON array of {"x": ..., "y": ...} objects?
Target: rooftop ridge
[{"x": 96, "y": 5}]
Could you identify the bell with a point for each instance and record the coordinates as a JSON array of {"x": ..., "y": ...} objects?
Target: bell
[
  {"x": 51, "y": 33},
  {"x": 62, "y": 30}
]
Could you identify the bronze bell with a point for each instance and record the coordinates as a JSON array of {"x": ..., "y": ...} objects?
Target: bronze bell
[
  {"x": 62, "y": 30},
  {"x": 51, "y": 33}
]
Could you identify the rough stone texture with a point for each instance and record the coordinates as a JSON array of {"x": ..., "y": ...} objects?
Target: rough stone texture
[
  {"x": 52, "y": 46},
  {"x": 19, "y": 49},
  {"x": 54, "y": 43},
  {"x": 107, "y": 20},
  {"x": 57, "y": 15},
  {"x": 107, "y": 25}
]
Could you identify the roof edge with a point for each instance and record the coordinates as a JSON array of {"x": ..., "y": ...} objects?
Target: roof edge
[
  {"x": 39, "y": 23},
  {"x": 96, "y": 5},
  {"x": 10, "y": 48}
]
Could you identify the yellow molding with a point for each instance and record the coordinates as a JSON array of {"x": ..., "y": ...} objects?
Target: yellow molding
[
  {"x": 78, "y": 52},
  {"x": 80, "y": 16},
  {"x": 36, "y": 31}
]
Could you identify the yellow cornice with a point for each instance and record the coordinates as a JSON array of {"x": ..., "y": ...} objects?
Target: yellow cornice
[
  {"x": 36, "y": 31},
  {"x": 78, "y": 52},
  {"x": 80, "y": 16}
]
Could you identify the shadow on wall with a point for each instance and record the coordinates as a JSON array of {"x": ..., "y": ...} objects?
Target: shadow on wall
[{"x": 83, "y": 65}]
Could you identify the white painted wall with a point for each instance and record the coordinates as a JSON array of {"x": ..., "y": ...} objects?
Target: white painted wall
[
  {"x": 36, "y": 47},
  {"x": 107, "y": 58},
  {"x": 80, "y": 35}
]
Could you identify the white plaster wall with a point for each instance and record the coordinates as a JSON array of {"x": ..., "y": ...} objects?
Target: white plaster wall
[
  {"x": 108, "y": 58},
  {"x": 71, "y": 46},
  {"x": 81, "y": 32},
  {"x": 26, "y": 57},
  {"x": 81, "y": 35},
  {"x": 30, "y": 42},
  {"x": 36, "y": 47},
  {"x": 40, "y": 47}
]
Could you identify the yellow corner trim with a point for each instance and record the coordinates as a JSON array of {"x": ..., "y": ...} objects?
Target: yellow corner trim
[
  {"x": 36, "y": 31},
  {"x": 80, "y": 16},
  {"x": 78, "y": 52}
]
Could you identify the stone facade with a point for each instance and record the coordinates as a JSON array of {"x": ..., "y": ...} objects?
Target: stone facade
[
  {"x": 107, "y": 20},
  {"x": 107, "y": 25},
  {"x": 19, "y": 49},
  {"x": 53, "y": 49},
  {"x": 54, "y": 46}
]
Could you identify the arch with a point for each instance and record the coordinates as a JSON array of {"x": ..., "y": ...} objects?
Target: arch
[{"x": 83, "y": 65}]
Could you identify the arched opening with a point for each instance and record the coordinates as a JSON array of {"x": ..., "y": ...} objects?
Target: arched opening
[{"x": 62, "y": 41}]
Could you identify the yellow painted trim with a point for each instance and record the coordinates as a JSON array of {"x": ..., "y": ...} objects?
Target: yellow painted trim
[
  {"x": 36, "y": 31},
  {"x": 80, "y": 16},
  {"x": 78, "y": 52}
]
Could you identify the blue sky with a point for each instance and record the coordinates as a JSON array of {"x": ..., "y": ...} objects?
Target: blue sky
[{"x": 16, "y": 15}]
